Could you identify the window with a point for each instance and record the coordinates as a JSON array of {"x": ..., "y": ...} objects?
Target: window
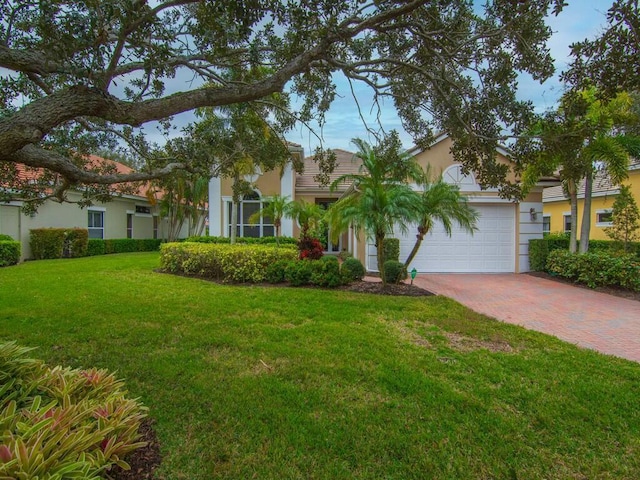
[
  {"x": 129, "y": 225},
  {"x": 567, "y": 222},
  {"x": 155, "y": 227},
  {"x": 604, "y": 218},
  {"x": 96, "y": 224},
  {"x": 143, "y": 209},
  {"x": 546, "y": 224},
  {"x": 250, "y": 205}
]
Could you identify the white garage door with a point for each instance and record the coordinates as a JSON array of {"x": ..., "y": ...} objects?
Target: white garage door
[{"x": 490, "y": 249}]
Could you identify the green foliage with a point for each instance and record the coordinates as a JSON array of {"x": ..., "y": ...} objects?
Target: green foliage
[
  {"x": 596, "y": 269},
  {"x": 227, "y": 263},
  {"x": 352, "y": 270},
  {"x": 391, "y": 249},
  {"x": 538, "y": 253},
  {"x": 298, "y": 273},
  {"x": 275, "y": 272},
  {"x": 10, "y": 252},
  {"x": 246, "y": 240},
  {"x": 6, "y": 238},
  {"x": 380, "y": 198},
  {"x": 58, "y": 242},
  {"x": 626, "y": 219},
  {"x": 60, "y": 423},
  {"x": 394, "y": 271},
  {"x": 96, "y": 246},
  {"x": 326, "y": 272}
]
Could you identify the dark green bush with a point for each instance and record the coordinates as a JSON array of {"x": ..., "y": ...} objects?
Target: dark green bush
[
  {"x": 126, "y": 245},
  {"x": 326, "y": 272},
  {"x": 539, "y": 249},
  {"x": 596, "y": 269},
  {"x": 298, "y": 273},
  {"x": 352, "y": 270},
  {"x": 394, "y": 271},
  {"x": 391, "y": 249},
  {"x": 275, "y": 271},
  {"x": 9, "y": 252},
  {"x": 538, "y": 253},
  {"x": 96, "y": 246}
]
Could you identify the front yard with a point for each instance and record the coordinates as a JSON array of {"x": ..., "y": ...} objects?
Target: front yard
[{"x": 281, "y": 383}]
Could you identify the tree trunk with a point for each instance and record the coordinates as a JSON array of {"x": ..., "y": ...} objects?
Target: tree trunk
[
  {"x": 422, "y": 230},
  {"x": 585, "y": 229},
  {"x": 573, "y": 196},
  {"x": 380, "y": 255},
  {"x": 235, "y": 199}
]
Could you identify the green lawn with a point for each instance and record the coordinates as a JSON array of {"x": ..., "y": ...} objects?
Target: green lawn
[{"x": 279, "y": 383}]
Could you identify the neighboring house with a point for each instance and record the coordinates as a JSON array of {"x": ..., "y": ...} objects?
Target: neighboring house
[
  {"x": 557, "y": 208},
  {"x": 127, "y": 216},
  {"x": 501, "y": 243}
]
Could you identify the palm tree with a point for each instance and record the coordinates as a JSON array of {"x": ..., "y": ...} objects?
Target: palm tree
[
  {"x": 276, "y": 208},
  {"x": 379, "y": 198},
  {"x": 308, "y": 215},
  {"x": 443, "y": 202}
]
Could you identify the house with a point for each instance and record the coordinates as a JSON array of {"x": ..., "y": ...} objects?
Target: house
[
  {"x": 133, "y": 215},
  {"x": 501, "y": 243},
  {"x": 557, "y": 208}
]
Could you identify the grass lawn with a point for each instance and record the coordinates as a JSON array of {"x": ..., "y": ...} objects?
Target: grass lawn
[{"x": 280, "y": 383}]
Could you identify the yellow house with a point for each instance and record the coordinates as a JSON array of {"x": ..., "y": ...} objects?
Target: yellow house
[
  {"x": 557, "y": 209},
  {"x": 501, "y": 243}
]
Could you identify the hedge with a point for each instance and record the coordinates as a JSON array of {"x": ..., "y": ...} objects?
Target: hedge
[
  {"x": 58, "y": 242},
  {"x": 245, "y": 240},
  {"x": 539, "y": 249},
  {"x": 98, "y": 246},
  {"x": 9, "y": 252},
  {"x": 227, "y": 263},
  {"x": 596, "y": 269}
]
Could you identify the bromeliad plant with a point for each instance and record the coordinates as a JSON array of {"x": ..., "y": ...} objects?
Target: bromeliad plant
[{"x": 59, "y": 423}]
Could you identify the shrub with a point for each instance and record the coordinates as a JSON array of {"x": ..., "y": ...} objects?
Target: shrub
[
  {"x": 9, "y": 252},
  {"x": 6, "y": 238},
  {"x": 596, "y": 269},
  {"x": 538, "y": 253},
  {"x": 343, "y": 255},
  {"x": 298, "y": 273},
  {"x": 96, "y": 246},
  {"x": 352, "y": 270},
  {"x": 326, "y": 272},
  {"x": 127, "y": 245},
  {"x": 275, "y": 271},
  {"x": 391, "y": 249},
  {"x": 310, "y": 248},
  {"x": 229, "y": 263},
  {"x": 394, "y": 271},
  {"x": 47, "y": 242},
  {"x": 62, "y": 423},
  {"x": 58, "y": 242}
]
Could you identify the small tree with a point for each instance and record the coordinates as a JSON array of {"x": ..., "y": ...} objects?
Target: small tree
[
  {"x": 626, "y": 218},
  {"x": 276, "y": 208}
]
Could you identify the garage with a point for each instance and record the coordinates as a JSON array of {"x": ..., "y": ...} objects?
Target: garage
[{"x": 491, "y": 249}]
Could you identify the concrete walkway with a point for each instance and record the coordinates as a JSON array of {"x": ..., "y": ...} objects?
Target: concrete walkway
[{"x": 590, "y": 319}]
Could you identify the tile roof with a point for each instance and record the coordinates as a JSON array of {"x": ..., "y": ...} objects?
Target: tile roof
[
  {"x": 602, "y": 186},
  {"x": 346, "y": 162}
]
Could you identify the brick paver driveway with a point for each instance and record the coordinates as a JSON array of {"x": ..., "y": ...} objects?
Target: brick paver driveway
[{"x": 590, "y": 319}]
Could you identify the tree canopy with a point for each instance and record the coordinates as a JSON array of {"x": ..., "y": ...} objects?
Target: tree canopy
[{"x": 76, "y": 76}]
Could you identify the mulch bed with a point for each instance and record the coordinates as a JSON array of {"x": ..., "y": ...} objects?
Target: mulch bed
[
  {"x": 402, "y": 289},
  {"x": 143, "y": 461},
  {"x": 618, "y": 292}
]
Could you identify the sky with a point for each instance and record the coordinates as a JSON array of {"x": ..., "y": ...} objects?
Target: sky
[{"x": 579, "y": 20}]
